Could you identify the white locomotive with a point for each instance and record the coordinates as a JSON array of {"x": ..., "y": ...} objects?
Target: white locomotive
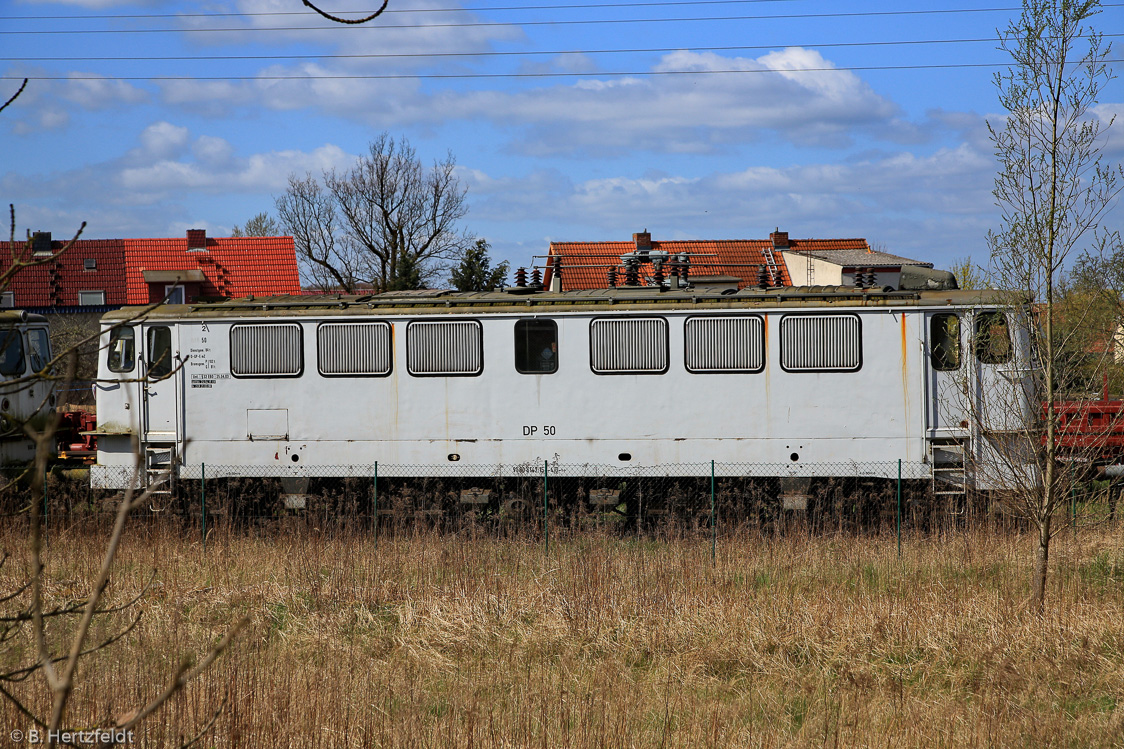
[
  {"x": 25, "y": 350},
  {"x": 664, "y": 380}
]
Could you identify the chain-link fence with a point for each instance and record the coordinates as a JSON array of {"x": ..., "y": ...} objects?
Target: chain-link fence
[{"x": 546, "y": 498}]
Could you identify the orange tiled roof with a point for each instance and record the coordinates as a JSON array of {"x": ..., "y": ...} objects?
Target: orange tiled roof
[
  {"x": 585, "y": 264},
  {"x": 233, "y": 266}
]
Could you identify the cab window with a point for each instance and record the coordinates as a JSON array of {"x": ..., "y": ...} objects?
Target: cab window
[
  {"x": 38, "y": 348},
  {"x": 536, "y": 346},
  {"x": 159, "y": 351},
  {"x": 122, "y": 349},
  {"x": 993, "y": 339},
  {"x": 944, "y": 337},
  {"x": 11, "y": 352}
]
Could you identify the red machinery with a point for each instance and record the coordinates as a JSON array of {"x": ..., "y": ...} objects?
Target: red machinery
[
  {"x": 1091, "y": 430},
  {"x": 75, "y": 437}
]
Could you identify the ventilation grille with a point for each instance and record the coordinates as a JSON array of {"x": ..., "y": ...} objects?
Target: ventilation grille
[
  {"x": 356, "y": 349},
  {"x": 633, "y": 346},
  {"x": 821, "y": 343},
  {"x": 265, "y": 350},
  {"x": 445, "y": 348},
  {"x": 725, "y": 344}
]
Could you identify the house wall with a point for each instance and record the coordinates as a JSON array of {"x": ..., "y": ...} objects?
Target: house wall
[{"x": 824, "y": 273}]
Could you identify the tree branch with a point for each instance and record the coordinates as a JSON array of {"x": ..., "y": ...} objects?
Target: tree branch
[
  {"x": 23, "y": 85},
  {"x": 337, "y": 19}
]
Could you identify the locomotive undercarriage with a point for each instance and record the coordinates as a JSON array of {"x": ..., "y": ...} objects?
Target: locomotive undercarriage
[{"x": 503, "y": 504}]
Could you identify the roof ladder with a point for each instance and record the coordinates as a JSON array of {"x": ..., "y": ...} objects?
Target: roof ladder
[{"x": 771, "y": 264}]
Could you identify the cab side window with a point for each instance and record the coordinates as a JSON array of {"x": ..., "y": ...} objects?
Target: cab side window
[
  {"x": 122, "y": 349},
  {"x": 993, "y": 338},
  {"x": 944, "y": 337},
  {"x": 38, "y": 348},
  {"x": 159, "y": 351},
  {"x": 536, "y": 346},
  {"x": 11, "y": 352}
]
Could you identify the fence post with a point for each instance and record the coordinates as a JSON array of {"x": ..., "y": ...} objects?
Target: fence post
[
  {"x": 375, "y": 505},
  {"x": 713, "y": 520},
  {"x": 899, "y": 508},
  {"x": 1072, "y": 501},
  {"x": 545, "y": 523},
  {"x": 203, "y": 500}
]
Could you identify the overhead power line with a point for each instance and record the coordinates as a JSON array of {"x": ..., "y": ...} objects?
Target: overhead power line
[
  {"x": 388, "y": 11},
  {"x": 574, "y": 22},
  {"x": 512, "y": 53},
  {"x": 438, "y": 76}
]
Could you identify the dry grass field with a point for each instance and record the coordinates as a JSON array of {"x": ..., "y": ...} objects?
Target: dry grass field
[{"x": 435, "y": 640}]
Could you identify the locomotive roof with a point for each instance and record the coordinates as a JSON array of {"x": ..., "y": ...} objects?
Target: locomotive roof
[
  {"x": 519, "y": 299},
  {"x": 14, "y": 317}
]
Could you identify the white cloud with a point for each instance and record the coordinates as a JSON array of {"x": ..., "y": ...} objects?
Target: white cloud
[
  {"x": 920, "y": 205},
  {"x": 1111, "y": 117},
  {"x": 48, "y": 104},
  {"x": 261, "y": 172},
  {"x": 212, "y": 151},
  {"x": 1108, "y": 111},
  {"x": 94, "y": 4},
  {"x": 167, "y": 177},
  {"x": 676, "y": 113},
  {"x": 924, "y": 205},
  {"x": 93, "y": 91},
  {"x": 411, "y": 27},
  {"x": 163, "y": 139},
  {"x": 41, "y": 119}
]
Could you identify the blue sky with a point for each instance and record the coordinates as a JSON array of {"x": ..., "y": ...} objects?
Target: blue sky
[{"x": 569, "y": 120}]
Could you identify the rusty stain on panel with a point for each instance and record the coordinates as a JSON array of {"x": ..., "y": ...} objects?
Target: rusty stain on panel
[{"x": 905, "y": 378}]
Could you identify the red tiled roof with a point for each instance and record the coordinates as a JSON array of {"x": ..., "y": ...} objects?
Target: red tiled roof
[
  {"x": 585, "y": 264},
  {"x": 58, "y": 282},
  {"x": 233, "y": 267},
  {"x": 263, "y": 266}
]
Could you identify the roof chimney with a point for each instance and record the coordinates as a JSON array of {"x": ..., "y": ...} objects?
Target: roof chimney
[
  {"x": 643, "y": 241},
  {"x": 780, "y": 239},
  {"x": 41, "y": 243},
  {"x": 196, "y": 239}
]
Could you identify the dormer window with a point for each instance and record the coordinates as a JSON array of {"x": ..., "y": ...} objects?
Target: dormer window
[
  {"x": 41, "y": 244},
  {"x": 91, "y": 298}
]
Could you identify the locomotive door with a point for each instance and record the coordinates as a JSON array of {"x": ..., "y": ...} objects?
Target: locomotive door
[
  {"x": 161, "y": 384},
  {"x": 1005, "y": 447},
  {"x": 996, "y": 402},
  {"x": 949, "y": 380}
]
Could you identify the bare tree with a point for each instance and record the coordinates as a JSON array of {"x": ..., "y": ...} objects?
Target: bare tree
[
  {"x": 1053, "y": 191},
  {"x": 327, "y": 256},
  {"x": 387, "y": 214}
]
